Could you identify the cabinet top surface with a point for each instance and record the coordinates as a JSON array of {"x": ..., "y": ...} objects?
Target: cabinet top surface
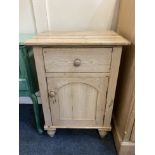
[{"x": 77, "y": 38}]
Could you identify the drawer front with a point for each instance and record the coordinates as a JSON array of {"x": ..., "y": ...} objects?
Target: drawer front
[{"x": 77, "y": 59}]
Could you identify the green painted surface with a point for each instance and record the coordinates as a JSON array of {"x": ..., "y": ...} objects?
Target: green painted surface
[
  {"x": 27, "y": 70},
  {"x": 23, "y": 86},
  {"x": 28, "y": 83},
  {"x": 23, "y": 37}
]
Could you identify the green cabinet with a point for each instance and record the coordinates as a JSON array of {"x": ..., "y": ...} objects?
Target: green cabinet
[{"x": 28, "y": 83}]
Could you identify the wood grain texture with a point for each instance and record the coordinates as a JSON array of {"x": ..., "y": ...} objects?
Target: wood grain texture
[
  {"x": 91, "y": 59},
  {"x": 132, "y": 138},
  {"x": 122, "y": 147},
  {"x": 116, "y": 56},
  {"x": 127, "y": 148},
  {"x": 125, "y": 91},
  {"x": 78, "y": 38},
  {"x": 78, "y": 101},
  {"x": 124, "y": 115},
  {"x": 77, "y": 127},
  {"x": 78, "y": 96},
  {"x": 42, "y": 84},
  {"x": 130, "y": 119},
  {"x": 126, "y": 79},
  {"x": 80, "y": 75}
]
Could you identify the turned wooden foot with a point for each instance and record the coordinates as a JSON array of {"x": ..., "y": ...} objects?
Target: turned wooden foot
[
  {"x": 51, "y": 132},
  {"x": 102, "y": 133}
]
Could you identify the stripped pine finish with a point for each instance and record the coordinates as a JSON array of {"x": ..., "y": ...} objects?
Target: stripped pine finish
[
  {"x": 42, "y": 84},
  {"x": 132, "y": 138},
  {"x": 78, "y": 38},
  {"x": 92, "y": 59},
  {"x": 77, "y": 81},
  {"x": 78, "y": 99},
  {"x": 124, "y": 113},
  {"x": 116, "y": 55}
]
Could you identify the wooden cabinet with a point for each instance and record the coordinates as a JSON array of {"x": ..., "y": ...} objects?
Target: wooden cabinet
[{"x": 77, "y": 75}]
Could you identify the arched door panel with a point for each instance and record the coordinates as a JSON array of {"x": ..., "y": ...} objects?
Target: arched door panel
[{"x": 79, "y": 101}]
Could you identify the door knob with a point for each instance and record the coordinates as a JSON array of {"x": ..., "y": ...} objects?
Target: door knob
[
  {"x": 52, "y": 93},
  {"x": 77, "y": 62}
]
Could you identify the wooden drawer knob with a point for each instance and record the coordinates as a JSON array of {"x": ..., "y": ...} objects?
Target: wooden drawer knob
[
  {"x": 77, "y": 62},
  {"x": 52, "y": 93}
]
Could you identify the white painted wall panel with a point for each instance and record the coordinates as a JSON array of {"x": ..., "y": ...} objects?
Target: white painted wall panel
[
  {"x": 40, "y": 14},
  {"x": 68, "y": 15},
  {"x": 75, "y": 15},
  {"x": 26, "y": 17}
]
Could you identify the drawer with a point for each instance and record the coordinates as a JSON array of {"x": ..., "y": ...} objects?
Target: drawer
[{"x": 77, "y": 59}]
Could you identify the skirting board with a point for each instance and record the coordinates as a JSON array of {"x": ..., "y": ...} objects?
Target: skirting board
[{"x": 123, "y": 148}]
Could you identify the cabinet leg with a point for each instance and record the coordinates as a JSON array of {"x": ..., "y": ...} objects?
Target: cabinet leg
[
  {"x": 102, "y": 133},
  {"x": 36, "y": 113},
  {"x": 51, "y": 132}
]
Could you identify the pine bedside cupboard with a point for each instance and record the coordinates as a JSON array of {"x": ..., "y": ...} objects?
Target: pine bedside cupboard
[{"x": 77, "y": 73}]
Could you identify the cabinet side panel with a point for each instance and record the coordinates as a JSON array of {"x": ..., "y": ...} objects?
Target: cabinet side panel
[
  {"x": 116, "y": 56},
  {"x": 42, "y": 84}
]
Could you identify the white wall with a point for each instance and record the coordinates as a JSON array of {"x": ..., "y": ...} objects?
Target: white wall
[
  {"x": 67, "y": 15},
  {"x": 26, "y": 17}
]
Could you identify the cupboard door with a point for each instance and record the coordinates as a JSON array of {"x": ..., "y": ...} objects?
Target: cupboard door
[{"x": 77, "y": 102}]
